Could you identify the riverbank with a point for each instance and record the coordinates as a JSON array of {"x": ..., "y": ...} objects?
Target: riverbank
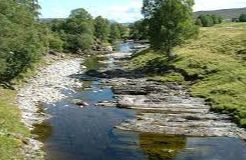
[
  {"x": 46, "y": 87},
  {"x": 43, "y": 85},
  {"x": 212, "y": 65}
]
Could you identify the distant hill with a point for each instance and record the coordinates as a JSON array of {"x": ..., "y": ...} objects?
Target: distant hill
[{"x": 225, "y": 13}]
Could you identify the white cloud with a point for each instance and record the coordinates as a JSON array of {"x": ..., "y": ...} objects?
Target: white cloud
[
  {"x": 218, "y": 4},
  {"x": 122, "y": 13}
]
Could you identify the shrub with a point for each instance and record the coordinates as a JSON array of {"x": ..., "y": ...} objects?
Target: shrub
[{"x": 242, "y": 18}]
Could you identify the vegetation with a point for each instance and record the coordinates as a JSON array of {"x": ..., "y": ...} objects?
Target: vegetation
[
  {"x": 102, "y": 29},
  {"x": 208, "y": 20},
  {"x": 226, "y": 14},
  {"x": 139, "y": 30},
  {"x": 81, "y": 32},
  {"x": 12, "y": 131},
  {"x": 242, "y": 18},
  {"x": 23, "y": 39},
  {"x": 214, "y": 65},
  {"x": 170, "y": 23}
]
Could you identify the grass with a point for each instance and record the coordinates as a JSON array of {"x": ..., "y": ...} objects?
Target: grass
[
  {"x": 215, "y": 62},
  {"x": 12, "y": 131}
]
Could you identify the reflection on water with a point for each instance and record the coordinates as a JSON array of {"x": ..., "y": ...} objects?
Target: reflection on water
[
  {"x": 158, "y": 146},
  {"x": 93, "y": 63},
  {"x": 75, "y": 133}
]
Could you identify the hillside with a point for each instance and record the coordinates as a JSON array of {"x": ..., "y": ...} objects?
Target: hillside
[
  {"x": 225, "y": 13},
  {"x": 213, "y": 65}
]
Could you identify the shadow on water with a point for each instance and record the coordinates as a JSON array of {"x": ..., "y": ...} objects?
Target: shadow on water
[{"x": 88, "y": 133}]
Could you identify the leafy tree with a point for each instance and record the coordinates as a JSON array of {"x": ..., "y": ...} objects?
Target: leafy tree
[
  {"x": 55, "y": 42},
  {"x": 80, "y": 24},
  {"x": 217, "y": 19},
  {"x": 102, "y": 29},
  {"x": 124, "y": 31},
  {"x": 114, "y": 32},
  {"x": 242, "y": 18},
  {"x": 170, "y": 23},
  {"x": 21, "y": 37},
  {"x": 139, "y": 30},
  {"x": 207, "y": 20}
]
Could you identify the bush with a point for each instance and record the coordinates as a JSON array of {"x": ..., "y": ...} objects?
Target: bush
[
  {"x": 208, "y": 20},
  {"x": 55, "y": 43},
  {"x": 242, "y": 18}
]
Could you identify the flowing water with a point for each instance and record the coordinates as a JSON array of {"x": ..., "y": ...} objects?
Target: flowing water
[{"x": 88, "y": 133}]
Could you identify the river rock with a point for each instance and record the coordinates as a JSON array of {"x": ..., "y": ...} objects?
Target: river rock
[{"x": 169, "y": 109}]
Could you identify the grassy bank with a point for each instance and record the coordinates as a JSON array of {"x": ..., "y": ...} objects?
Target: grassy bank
[
  {"x": 214, "y": 64},
  {"x": 12, "y": 131}
]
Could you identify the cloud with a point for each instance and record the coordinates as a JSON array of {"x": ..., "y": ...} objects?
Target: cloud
[
  {"x": 218, "y": 4},
  {"x": 126, "y": 13}
]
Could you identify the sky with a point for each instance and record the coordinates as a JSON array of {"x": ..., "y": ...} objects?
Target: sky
[{"x": 120, "y": 10}]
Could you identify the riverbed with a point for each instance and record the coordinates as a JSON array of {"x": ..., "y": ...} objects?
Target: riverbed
[{"x": 90, "y": 133}]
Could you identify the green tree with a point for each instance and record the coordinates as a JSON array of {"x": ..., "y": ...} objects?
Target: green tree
[
  {"x": 21, "y": 37},
  {"x": 207, "y": 20},
  {"x": 124, "y": 31},
  {"x": 102, "y": 29},
  {"x": 242, "y": 18},
  {"x": 170, "y": 23},
  {"x": 79, "y": 24},
  {"x": 114, "y": 32},
  {"x": 139, "y": 30}
]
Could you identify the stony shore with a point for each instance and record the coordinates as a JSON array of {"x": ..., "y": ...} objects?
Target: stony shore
[{"x": 46, "y": 87}]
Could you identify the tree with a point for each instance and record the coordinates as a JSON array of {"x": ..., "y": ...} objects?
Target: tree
[
  {"x": 207, "y": 20},
  {"x": 242, "y": 18},
  {"x": 170, "y": 23},
  {"x": 79, "y": 25},
  {"x": 139, "y": 30},
  {"x": 22, "y": 38},
  {"x": 102, "y": 29},
  {"x": 114, "y": 32},
  {"x": 124, "y": 31}
]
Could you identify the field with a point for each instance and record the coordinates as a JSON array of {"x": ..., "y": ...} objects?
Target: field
[{"x": 214, "y": 65}]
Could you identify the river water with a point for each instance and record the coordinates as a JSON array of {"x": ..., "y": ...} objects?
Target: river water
[{"x": 88, "y": 133}]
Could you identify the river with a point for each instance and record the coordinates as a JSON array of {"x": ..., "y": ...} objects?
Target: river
[{"x": 89, "y": 133}]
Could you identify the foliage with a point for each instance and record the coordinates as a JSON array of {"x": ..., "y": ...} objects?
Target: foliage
[
  {"x": 114, "y": 32},
  {"x": 77, "y": 27},
  {"x": 139, "y": 30},
  {"x": 242, "y": 18},
  {"x": 213, "y": 62},
  {"x": 208, "y": 20},
  {"x": 80, "y": 31},
  {"x": 102, "y": 29},
  {"x": 124, "y": 31},
  {"x": 170, "y": 23},
  {"x": 55, "y": 42},
  {"x": 22, "y": 39}
]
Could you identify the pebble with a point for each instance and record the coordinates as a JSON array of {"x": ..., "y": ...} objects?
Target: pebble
[{"x": 45, "y": 87}]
